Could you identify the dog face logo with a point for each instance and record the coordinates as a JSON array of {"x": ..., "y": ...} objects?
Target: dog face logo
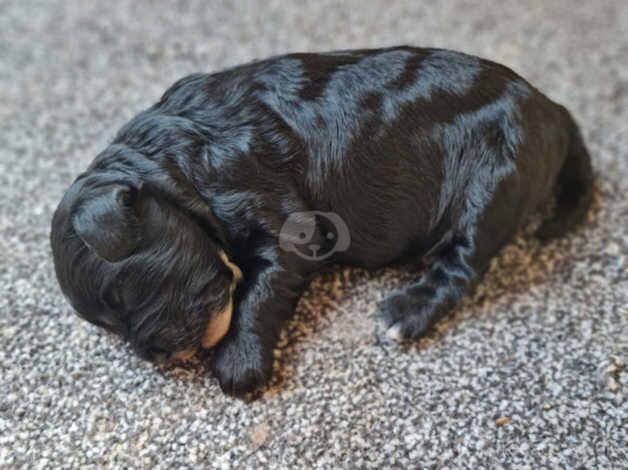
[{"x": 314, "y": 235}]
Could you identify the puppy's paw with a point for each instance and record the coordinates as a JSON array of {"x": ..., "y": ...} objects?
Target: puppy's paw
[
  {"x": 395, "y": 307},
  {"x": 242, "y": 366},
  {"x": 405, "y": 315}
]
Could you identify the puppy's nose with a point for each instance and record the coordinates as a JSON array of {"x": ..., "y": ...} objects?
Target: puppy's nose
[{"x": 314, "y": 247}]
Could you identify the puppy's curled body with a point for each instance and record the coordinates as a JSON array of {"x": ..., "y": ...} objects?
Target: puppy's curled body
[{"x": 421, "y": 153}]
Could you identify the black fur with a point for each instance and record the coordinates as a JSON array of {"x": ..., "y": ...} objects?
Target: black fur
[{"x": 422, "y": 153}]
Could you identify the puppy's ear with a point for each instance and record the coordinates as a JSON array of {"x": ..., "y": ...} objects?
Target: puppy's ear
[{"x": 108, "y": 223}]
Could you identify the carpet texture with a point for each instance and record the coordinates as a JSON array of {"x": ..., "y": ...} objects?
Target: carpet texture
[{"x": 529, "y": 371}]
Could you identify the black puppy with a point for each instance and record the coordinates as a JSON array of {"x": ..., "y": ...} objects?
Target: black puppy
[{"x": 235, "y": 187}]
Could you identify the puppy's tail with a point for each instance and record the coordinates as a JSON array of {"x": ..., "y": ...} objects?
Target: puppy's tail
[{"x": 574, "y": 187}]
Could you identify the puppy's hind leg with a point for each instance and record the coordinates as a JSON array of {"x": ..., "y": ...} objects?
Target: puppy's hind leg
[
  {"x": 459, "y": 262},
  {"x": 574, "y": 186}
]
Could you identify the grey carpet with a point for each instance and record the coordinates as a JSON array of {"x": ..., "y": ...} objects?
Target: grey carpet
[{"x": 530, "y": 371}]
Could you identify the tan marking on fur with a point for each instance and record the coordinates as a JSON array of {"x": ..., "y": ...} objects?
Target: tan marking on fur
[
  {"x": 218, "y": 326},
  {"x": 219, "y": 323},
  {"x": 237, "y": 274},
  {"x": 186, "y": 355}
]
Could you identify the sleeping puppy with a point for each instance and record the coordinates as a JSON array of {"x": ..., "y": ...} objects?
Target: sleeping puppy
[{"x": 200, "y": 224}]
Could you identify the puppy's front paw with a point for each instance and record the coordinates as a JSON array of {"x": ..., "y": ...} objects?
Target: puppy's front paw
[
  {"x": 405, "y": 315},
  {"x": 242, "y": 365}
]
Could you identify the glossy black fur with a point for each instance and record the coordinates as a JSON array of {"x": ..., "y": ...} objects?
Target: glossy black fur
[{"x": 425, "y": 154}]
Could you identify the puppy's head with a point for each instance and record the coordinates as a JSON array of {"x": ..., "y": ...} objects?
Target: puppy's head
[{"x": 135, "y": 263}]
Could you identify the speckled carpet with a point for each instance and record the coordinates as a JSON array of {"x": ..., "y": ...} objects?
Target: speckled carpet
[{"x": 530, "y": 371}]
